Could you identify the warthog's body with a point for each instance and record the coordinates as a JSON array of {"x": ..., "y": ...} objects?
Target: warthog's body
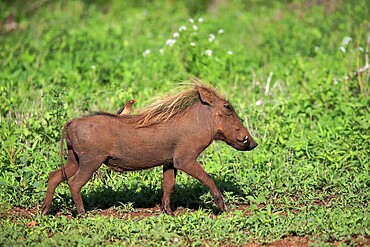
[{"x": 171, "y": 132}]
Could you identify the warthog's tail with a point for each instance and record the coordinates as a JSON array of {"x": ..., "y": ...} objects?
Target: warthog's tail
[{"x": 61, "y": 151}]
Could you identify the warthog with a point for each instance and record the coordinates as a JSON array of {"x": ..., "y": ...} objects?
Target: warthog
[{"x": 171, "y": 132}]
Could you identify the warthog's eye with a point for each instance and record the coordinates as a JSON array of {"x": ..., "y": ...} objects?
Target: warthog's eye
[{"x": 229, "y": 108}]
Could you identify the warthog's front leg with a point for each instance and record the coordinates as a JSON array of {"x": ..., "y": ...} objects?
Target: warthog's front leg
[
  {"x": 169, "y": 179},
  {"x": 194, "y": 169}
]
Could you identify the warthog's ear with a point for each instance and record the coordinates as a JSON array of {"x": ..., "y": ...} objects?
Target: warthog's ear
[{"x": 206, "y": 96}]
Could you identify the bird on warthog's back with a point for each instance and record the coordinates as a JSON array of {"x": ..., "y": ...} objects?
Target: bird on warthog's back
[{"x": 127, "y": 108}]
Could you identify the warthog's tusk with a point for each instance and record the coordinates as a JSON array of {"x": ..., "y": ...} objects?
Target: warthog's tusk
[{"x": 245, "y": 139}]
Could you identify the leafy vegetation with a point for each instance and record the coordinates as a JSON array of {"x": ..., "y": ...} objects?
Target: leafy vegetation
[{"x": 286, "y": 66}]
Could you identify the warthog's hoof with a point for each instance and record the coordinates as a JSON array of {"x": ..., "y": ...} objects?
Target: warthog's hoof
[
  {"x": 167, "y": 209},
  {"x": 219, "y": 201},
  {"x": 81, "y": 210},
  {"x": 45, "y": 208}
]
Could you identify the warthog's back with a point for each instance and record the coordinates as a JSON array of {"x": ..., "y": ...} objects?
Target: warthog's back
[{"x": 121, "y": 143}]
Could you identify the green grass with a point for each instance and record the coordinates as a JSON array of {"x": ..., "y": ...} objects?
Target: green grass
[{"x": 283, "y": 66}]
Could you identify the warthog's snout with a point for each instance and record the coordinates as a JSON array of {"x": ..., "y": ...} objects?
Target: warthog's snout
[
  {"x": 250, "y": 143},
  {"x": 253, "y": 145}
]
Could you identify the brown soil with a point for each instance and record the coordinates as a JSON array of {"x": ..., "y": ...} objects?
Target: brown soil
[
  {"x": 286, "y": 242},
  {"x": 291, "y": 241}
]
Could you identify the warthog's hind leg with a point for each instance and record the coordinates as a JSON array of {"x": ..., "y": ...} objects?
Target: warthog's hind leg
[
  {"x": 56, "y": 177},
  {"x": 87, "y": 166}
]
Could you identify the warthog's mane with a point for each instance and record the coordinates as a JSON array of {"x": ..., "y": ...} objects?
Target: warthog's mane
[
  {"x": 168, "y": 106},
  {"x": 171, "y": 105}
]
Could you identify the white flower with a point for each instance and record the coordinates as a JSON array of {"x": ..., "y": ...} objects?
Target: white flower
[
  {"x": 220, "y": 31},
  {"x": 182, "y": 28},
  {"x": 146, "y": 52},
  {"x": 195, "y": 27},
  {"x": 230, "y": 53},
  {"x": 192, "y": 44},
  {"x": 200, "y": 19},
  {"x": 346, "y": 41},
  {"x": 208, "y": 52},
  {"x": 176, "y": 35},
  {"x": 211, "y": 37},
  {"x": 191, "y": 20},
  {"x": 93, "y": 67},
  {"x": 170, "y": 42},
  {"x": 161, "y": 51},
  {"x": 258, "y": 102}
]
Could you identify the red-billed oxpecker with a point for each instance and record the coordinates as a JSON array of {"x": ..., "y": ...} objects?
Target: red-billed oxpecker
[{"x": 126, "y": 109}]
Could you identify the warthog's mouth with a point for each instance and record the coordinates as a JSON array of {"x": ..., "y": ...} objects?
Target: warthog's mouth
[
  {"x": 248, "y": 143},
  {"x": 244, "y": 140}
]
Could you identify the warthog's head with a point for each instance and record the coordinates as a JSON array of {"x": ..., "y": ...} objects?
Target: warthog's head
[{"x": 227, "y": 125}]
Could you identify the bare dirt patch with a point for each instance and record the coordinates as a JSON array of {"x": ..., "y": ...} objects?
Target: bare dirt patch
[{"x": 291, "y": 241}]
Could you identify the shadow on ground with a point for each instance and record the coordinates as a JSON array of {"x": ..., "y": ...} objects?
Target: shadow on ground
[{"x": 193, "y": 195}]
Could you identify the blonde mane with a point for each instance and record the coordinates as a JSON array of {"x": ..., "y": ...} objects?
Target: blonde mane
[{"x": 166, "y": 107}]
